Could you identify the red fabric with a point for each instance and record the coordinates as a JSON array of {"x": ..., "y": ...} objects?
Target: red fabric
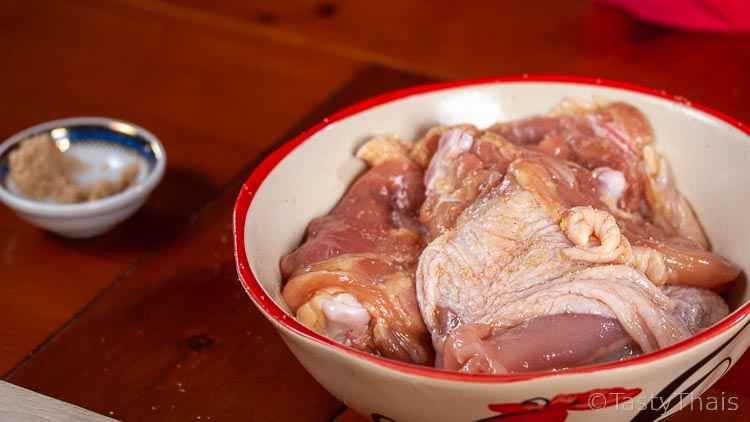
[{"x": 698, "y": 15}]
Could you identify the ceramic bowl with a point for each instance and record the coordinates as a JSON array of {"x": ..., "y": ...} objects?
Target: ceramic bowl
[
  {"x": 106, "y": 146},
  {"x": 304, "y": 178}
]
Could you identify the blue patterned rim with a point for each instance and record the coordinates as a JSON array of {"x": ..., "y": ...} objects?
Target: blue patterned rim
[{"x": 97, "y": 133}]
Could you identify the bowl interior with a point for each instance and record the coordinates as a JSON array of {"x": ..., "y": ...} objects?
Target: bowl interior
[
  {"x": 105, "y": 148},
  {"x": 708, "y": 155}
]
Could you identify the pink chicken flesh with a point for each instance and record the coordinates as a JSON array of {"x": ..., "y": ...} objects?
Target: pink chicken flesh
[
  {"x": 539, "y": 244},
  {"x": 492, "y": 282},
  {"x": 352, "y": 279},
  {"x": 362, "y": 300},
  {"x": 613, "y": 138},
  {"x": 377, "y": 214},
  {"x": 467, "y": 164},
  {"x": 502, "y": 266}
]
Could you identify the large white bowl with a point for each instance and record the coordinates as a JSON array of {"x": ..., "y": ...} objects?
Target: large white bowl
[{"x": 303, "y": 179}]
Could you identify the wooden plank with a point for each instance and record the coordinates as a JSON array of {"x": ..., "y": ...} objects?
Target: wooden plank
[
  {"x": 431, "y": 37},
  {"x": 21, "y": 405},
  {"x": 482, "y": 38},
  {"x": 177, "y": 338},
  {"x": 216, "y": 99}
]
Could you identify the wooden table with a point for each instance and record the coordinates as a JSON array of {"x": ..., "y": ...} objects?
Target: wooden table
[{"x": 149, "y": 322}]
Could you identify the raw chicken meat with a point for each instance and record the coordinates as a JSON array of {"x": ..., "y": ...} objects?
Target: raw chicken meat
[
  {"x": 353, "y": 277},
  {"x": 539, "y": 244},
  {"x": 465, "y": 165},
  {"x": 612, "y": 138},
  {"x": 542, "y": 343},
  {"x": 362, "y": 300},
  {"x": 515, "y": 255},
  {"x": 664, "y": 258},
  {"x": 377, "y": 214},
  {"x": 698, "y": 308},
  {"x": 468, "y": 163},
  {"x": 669, "y": 210}
]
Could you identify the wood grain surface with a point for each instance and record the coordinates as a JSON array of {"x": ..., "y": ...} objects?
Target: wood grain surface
[{"x": 148, "y": 322}]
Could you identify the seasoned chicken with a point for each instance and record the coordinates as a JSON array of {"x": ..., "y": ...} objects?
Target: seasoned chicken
[
  {"x": 613, "y": 140},
  {"x": 547, "y": 342},
  {"x": 468, "y": 163},
  {"x": 664, "y": 258},
  {"x": 539, "y": 244},
  {"x": 362, "y": 300},
  {"x": 352, "y": 279},
  {"x": 377, "y": 214},
  {"x": 508, "y": 261},
  {"x": 465, "y": 165},
  {"x": 698, "y": 308}
]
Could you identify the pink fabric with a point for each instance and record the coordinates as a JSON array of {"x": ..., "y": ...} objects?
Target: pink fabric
[{"x": 698, "y": 15}]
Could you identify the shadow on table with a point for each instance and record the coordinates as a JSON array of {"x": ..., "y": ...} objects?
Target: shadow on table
[
  {"x": 183, "y": 192},
  {"x": 372, "y": 80},
  {"x": 178, "y": 198}
]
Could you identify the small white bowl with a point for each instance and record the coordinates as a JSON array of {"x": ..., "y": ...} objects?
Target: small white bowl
[
  {"x": 101, "y": 143},
  {"x": 304, "y": 178}
]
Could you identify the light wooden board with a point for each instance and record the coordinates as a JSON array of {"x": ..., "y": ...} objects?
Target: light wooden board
[{"x": 21, "y": 405}]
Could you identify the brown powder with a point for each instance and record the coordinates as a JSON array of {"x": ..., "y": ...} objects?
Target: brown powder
[{"x": 42, "y": 172}]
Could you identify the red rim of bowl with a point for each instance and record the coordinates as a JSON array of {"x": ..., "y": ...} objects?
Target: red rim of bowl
[{"x": 272, "y": 310}]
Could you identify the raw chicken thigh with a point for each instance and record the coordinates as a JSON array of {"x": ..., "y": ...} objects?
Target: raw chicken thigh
[
  {"x": 377, "y": 214},
  {"x": 613, "y": 140},
  {"x": 353, "y": 277},
  {"x": 544, "y": 243},
  {"x": 550, "y": 248},
  {"x": 527, "y": 250},
  {"x": 610, "y": 136},
  {"x": 363, "y": 300},
  {"x": 467, "y": 163}
]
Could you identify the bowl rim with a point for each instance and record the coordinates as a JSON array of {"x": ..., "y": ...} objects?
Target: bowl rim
[
  {"x": 268, "y": 306},
  {"x": 99, "y": 206}
]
